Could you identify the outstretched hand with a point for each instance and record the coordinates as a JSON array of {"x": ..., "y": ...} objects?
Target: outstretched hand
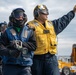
[{"x": 74, "y": 9}]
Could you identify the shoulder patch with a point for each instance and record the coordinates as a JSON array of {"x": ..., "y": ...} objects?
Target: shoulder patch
[
  {"x": 25, "y": 34},
  {"x": 13, "y": 31}
]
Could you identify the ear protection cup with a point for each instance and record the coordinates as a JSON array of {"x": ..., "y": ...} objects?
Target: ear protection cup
[{"x": 36, "y": 11}]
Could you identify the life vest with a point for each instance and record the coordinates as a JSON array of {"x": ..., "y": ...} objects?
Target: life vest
[
  {"x": 45, "y": 37},
  {"x": 24, "y": 60}
]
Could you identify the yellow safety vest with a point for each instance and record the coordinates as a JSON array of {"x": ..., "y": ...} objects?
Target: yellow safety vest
[{"x": 45, "y": 37}]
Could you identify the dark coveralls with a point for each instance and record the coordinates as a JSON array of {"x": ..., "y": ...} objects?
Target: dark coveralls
[
  {"x": 47, "y": 64},
  {"x": 17, "y": 65}
]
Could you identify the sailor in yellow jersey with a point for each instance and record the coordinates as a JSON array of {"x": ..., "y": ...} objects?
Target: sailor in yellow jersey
[{"x": 45, "y": 61}]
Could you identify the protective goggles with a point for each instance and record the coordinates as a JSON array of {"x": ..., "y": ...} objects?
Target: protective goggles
[{"x": 18, "y": 14}]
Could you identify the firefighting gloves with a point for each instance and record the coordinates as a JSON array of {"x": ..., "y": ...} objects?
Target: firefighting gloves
[
  {"x": 17, "y": 44},
  {"x": 14, "y": 49},
  {"x": 8, "y": 52},
  {"x": 14, "y": 53}
]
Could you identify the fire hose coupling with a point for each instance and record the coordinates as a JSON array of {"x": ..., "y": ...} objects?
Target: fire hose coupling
[{"x": 18, "y": 45}]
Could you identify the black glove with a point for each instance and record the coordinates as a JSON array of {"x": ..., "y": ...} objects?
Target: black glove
[
  {"x": 14, "y": 53},
  {"x": 17, "y": 45},
  {"x": 9, "y": 52}
]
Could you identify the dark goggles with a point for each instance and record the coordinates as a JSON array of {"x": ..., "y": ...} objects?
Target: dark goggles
[
  {"x": 18, "y": 14},
  {"x": 44, "y": 11}
]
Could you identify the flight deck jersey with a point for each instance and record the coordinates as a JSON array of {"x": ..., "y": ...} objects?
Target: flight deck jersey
[{"x": 45, "y": 37}]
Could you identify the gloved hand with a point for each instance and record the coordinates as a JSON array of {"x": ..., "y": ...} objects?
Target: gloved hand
[
  {"x": 14, "y": 53},
  {"x": 9, "y": 51},
  {"x": 17, "y": 44}
]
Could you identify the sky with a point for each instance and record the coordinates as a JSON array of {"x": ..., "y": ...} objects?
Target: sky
[{"x": 57, "y": 8}]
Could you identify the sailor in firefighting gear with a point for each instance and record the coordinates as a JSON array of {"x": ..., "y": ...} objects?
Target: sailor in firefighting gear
[
  {"x": 3, "y": 27},
  {"x": 46, "y": 31},
  {"x": 17, "y": 45}
]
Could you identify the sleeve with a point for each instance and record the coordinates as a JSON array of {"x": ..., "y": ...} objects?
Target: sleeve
[
  {"x": 3, "y": 42},
  {"x": 61, "y": 23},
  {"x": 4, "y": 50},
  {"x": 31, "y": 44}
]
